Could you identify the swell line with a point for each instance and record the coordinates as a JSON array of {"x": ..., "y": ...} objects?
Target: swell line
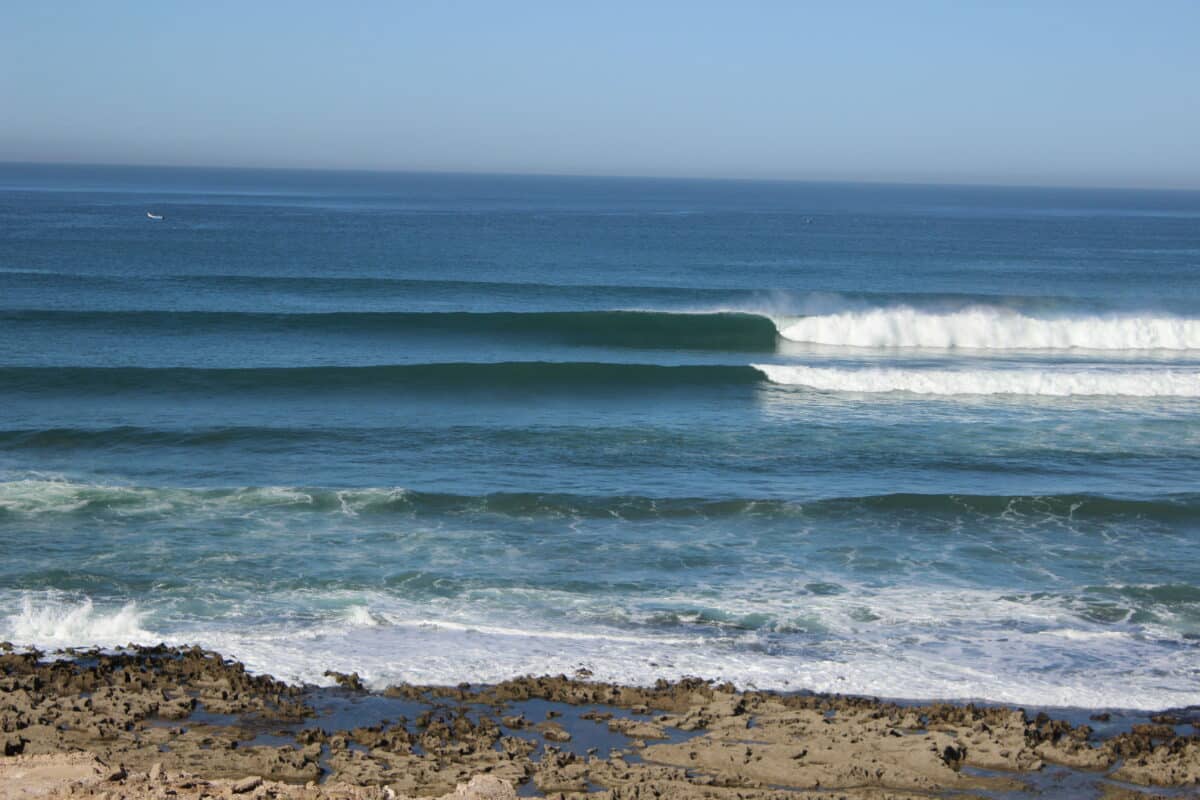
[
  {"x": 38, "y": 496},
  {"x": 324, "y": 284},
  {"x": 453, "y": 376}
]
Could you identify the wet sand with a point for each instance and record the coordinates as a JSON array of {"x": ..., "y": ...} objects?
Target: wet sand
[{"x": 186, "y": 723}]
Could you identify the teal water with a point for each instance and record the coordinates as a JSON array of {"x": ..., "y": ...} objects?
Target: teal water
[{"x": 907, "y": 441}]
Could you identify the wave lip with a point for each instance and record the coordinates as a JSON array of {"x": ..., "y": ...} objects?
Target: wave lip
[
  {"x": 991, "y": 328},
  {"x": 1032, "y": 382}
]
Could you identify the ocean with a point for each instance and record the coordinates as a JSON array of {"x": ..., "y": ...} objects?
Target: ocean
[{"x": 907, "y": 441}]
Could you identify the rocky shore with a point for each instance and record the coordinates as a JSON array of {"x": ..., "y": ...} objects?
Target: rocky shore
[{"x": 186, "y": 723}]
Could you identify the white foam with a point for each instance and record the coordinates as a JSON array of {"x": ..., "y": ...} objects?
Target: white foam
[
  {"x": 60, "y": 622},
  {"x": 1045, "y": 382},
  {"x": 34, "y": 494},
  {"x": 918, "y": 643},
  {"x": 1132, "y": 675},
  {"x": 991, "y": 328},
  {"x": 1068, "y": 633},
  {"x": 360, "y": 617}
]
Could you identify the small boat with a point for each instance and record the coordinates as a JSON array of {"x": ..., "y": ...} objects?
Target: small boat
[{"x": 152, "y": 215}]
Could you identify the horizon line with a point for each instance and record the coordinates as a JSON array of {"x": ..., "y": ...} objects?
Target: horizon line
[{"x": 595, "y": 176}]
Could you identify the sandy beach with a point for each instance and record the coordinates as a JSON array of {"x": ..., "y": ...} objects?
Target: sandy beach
[{"x": 155, "y": 722}]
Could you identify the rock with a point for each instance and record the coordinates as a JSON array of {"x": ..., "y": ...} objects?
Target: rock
[
  {"x": 485, "y": 787},
  {"x": 1167, "y": 718},
  {"x": 553, "y": 731},
  {"x": 156, "y": 772},
  {"x": 351, "y": 681},
  {"x": 1154, "y": 731},
  {"x": 637, "y": 729},
  {"x": 246, "y": 785}
]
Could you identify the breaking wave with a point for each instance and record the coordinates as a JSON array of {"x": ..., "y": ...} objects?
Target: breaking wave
[{"x": 59, "y": 621}]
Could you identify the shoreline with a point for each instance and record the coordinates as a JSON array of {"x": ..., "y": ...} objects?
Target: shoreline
[{"x": 149, "y": 721}]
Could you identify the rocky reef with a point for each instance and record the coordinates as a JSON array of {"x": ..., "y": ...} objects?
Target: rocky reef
[{"x": 187, "y": 723}]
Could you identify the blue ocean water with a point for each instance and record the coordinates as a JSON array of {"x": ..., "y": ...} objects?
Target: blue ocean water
[{"x": 908, "y": 441}]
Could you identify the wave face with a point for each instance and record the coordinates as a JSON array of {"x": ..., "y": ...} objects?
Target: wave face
[
  {"x": 730, "y": 331},
  {"x": 992, "y": 328},
  {"x": 1032, "y": 382}
]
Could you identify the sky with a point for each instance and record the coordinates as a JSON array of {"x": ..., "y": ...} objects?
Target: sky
[{"x": 1042, "y": 93}]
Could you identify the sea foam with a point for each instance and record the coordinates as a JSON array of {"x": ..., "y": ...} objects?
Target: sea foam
[{"x": 991, "y": 328}]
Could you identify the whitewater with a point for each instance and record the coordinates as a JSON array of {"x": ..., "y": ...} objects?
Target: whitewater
[
  {"x": 991, "y": 328},
  {"x": 1019, "y": 381},
  {"x": 473, "y": 643}
]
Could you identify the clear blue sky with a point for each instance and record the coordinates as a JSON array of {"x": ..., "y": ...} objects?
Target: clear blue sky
[{"x": 1068, "y": 93}]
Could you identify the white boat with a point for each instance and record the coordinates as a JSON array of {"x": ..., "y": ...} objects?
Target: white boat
[{"x": 152, "y": 215}]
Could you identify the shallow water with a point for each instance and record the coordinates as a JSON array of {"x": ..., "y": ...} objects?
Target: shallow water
[
  {"x": 902, "y": 441},
  {"x": 338, "y": 709}
]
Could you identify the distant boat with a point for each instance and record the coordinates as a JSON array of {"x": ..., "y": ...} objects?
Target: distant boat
[{"x": 152, "y": 215}]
